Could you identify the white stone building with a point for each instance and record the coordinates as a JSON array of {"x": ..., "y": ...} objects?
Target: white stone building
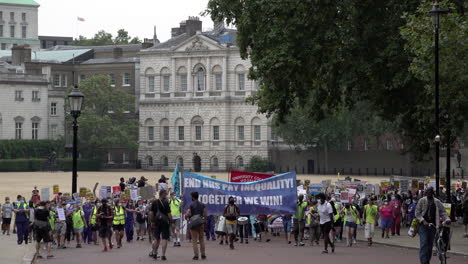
[
  {"x": 192, "y": 103},
  {"x": 19, "y": 24}
]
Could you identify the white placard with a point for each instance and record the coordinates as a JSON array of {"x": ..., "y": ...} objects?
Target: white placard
[
  {"x": 134, "y": 194},
  {"x": 45, "y": 194},
  {"x": 61, "y": 214}
]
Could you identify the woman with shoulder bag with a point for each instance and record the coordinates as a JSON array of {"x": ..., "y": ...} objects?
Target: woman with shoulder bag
[{"x": 197, "y": 214}]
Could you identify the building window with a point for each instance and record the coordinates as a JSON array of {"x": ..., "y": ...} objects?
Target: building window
[
  {"x": 200, "y": 79},
  {"x": 164, "y": 161},
  {"x": 35, "y": 96},
  {"x": 12, "y": 31},
  {"x": 12, "y": 16},
  {"x": 125, "y": 157},
  {"x": 1, "y": 31},
  {"x": 3, "y": 46},
  {"x": 180, "y": 161},
  {"x": 181, "y": 132},
  {"x": 240, "y": 133},
  {"x": 53, "y": 131},
  {"x": 150, "y": 161},
  {"x": 166, "y": 133},
  {"x": 112, "y": 79},
  {"x": 257, "y": 133},
  {"x": 215, "y": 132},
  {"x": 18, "y": 130},
  {"x": 198, "y": 133},
  {"x": 23, "y": 31},
  {"x": 214, "y": 163},
  {"x": 389, "y": 145},
  {"x": 240, "y": 162},
  {"x": 241, "y": 77},
  {"x": 166, "y": 83},
  {"x": 183, "y": 83},
  {"x": 1, "y": 15},
  {"x": 151, "y": 84},
  {"x": 109, "y": 158},
  {"x": 366, "y": 145},
  {"x": 218, "y": 81},
  {"x": 19, "y": 95},
  {"x": 127, "y": 80},
  {"x": 23, "y": 16},
  {"x": 53, "y": 109},
  {"x": 257, "y": 85},
  {"x": 349, "y": 145},
  {"x": 82, "y": 77},
  {"x": 35, "y": 130},
  {"x": 64, "y": 80},
  {"x": 56, "y": 80},
  {"x": 150, "y": 133}
]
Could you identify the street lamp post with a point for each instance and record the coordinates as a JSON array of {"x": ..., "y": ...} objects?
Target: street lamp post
[
  {"x": 436, "y": 12},
  {"x": 76, "y": 101}
]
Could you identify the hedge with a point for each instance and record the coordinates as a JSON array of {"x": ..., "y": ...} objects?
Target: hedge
[
  {"x": 12, "y": 165},
  {"x": 30, "y": 149}
]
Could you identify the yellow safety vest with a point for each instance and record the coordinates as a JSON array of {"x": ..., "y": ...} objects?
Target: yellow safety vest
[
  {"x": 119, "y": 217},
  {"x": 337, "y": 217},
  {"x": 93, "y": 217},
  {"x": 353, "y": 213},
  {"x": 175, "y": 207}
]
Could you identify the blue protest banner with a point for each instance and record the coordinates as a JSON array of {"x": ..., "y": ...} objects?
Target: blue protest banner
[{"x": 275, "y": 195}]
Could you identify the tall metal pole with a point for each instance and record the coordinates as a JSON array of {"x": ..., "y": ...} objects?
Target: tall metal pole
[
  {"x": 75, "y": 155},
  {"x": 436, "y": 92},
  {"x": 447, "y": 191}
]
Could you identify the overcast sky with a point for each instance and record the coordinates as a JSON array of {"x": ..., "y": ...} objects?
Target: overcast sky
[{"x": 59, "y": 17}]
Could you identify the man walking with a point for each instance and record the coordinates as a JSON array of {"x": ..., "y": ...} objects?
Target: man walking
[
  {"x": 60, "y": 226},
  {"x": 118, "y": 222},
  {"x": 196, "y": 214},
  {"x": 370, "y": 219},
  {"x": 160, "y": 219},
  {"x": 175, "y": 212},
  {"x": 299, "y": 220},
  {"x": 104, "y": 217},
  {"x": 231, "y": 213},
  {"x": 428, "y": 212},
  {"x": 42, "y": 228},
  {"x": 21, "y": 210}
]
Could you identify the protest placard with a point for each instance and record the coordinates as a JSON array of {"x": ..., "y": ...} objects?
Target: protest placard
[
  {"x": 116, "y": 189},
  {"x": 55, "y": 189},
  {"x": 61, "y": 214},
  {"x": 147, "y": 192},
  {"x": 404, "y": 186},
  {"x": 134, "y": 194},
  {"x": 83, "y": 191},
  {"x": 275, "y": 195},
  {"x": 45, "y": 194}
]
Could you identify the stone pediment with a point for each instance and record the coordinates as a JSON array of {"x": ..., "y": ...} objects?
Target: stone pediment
[{"x": 198, "y": 43}]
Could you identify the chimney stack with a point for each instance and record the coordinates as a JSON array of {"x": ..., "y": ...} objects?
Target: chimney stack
[
  {"x": 20, "y": 55},
  {"x": 117, "y": 52},
  {"x": 192, "y": 25}
]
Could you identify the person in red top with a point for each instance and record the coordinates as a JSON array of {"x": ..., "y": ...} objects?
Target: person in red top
[
  {"x": 386, "y": 218},
  {"x": 36, "y": 198},
  {"x": 396, "y": 204}
]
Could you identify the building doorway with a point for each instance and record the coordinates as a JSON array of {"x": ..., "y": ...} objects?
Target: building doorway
[
  {"x": 196, "y": 163},
  {"x": 310, "y": 167}
]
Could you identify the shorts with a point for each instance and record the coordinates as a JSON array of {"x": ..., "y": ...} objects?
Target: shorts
[
  {"x": 60, "y": 229},
  {"x": 42, "y": 234},
  {"x": 386, "y": 223},
  {"x": 287, "y": 226},
  {"x": 161, "y": 231},
  {"x": 118, "y": 227},
  {"x": 6, "y": 221},
  {"x": 231, "y": 229},
  {"x": 326, "y": 228},
  {"x": 105, "y": 231},
  {"x": 141, "y": 225},
  {"x": 78, "y": 230},
  {"x": 351, "y": 224},
  {"x": 176, "y": 223},
  {"x": 369, "y": 230},
  {"x": 465, "y": 219}
]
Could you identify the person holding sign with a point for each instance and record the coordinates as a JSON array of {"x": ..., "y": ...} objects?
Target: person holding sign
[
  {"x": 231, "y": 212},
  {"x": 60, "y": 225}
]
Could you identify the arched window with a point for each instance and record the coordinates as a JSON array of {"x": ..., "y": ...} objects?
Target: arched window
[
  {"x": 19, "y": 120},
  {"x": 182, "y": 79},
  {"x": 239, "y": 162},
  {"x": 214, "y": 163},
  {"x": 149, "y": 73},
  {"x": 165, "y": 80},
  {"x": 180, "y": 129},
  {"x": 256, "y": 130},
  {"x": 200, "y": 75},
  {"x": 218, "y": 78},
  {"x": 197, "y": 129},
  {"x": 240, "y": 129},
  {"x": 215, "y": 132},
  {"x": 149, "y": 161},
  {"x": 240, "y": 77},
  {"x": 164, "y": 161},
  {"x": 164, "y": 125},
  {"x": 180, "y": 161},
  {"x": 149, "y": 124}
]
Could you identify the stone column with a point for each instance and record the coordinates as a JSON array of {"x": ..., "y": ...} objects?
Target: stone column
[
  {"x": 173, "y": 76},
  {"x": 225, "y": 88},
  {"x": 208, "y": 74},
  {"x": 189, "y": 78}
]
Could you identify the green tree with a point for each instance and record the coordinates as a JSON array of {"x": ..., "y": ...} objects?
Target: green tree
[
  {"x": 135, "y": 40},
  {"x": 107, "y": 119},
  {"x": 122, "y": 37},
  {"x": 104, "y": 38}
]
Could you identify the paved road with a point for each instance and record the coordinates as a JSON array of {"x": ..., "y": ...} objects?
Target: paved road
[{"x": 274, "y": 252}]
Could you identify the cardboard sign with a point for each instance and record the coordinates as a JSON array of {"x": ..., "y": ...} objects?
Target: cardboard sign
[
  {"x": 448, "y": 208},
  {"x": 134, "y": 194},
  {"x": 45, "y": 194},
  {"x": 61, "y": 214},
  {"x": 55, "y": 189},
  {"x": 385, "y": 186},
  {"x": 76, "y": 196},
  {"x": 116, "y": 189},
  {"x": 147, "y": 192},
  {"x": 213, "y": 176},
  {"x": 105, "y": 192},
  {"x": 414, "y": 185},
  {"x": 344, "y": 197},
  {"x": 83, "y": 191},
  {"x": 421, "y": 186},
  {"x": 90, "y": 196},
  {"x": 396, "y": 185},
  {"x": 404, "y": 186}
]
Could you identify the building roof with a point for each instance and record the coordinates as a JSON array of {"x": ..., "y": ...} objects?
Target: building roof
[
  {"x": 52, "y": 56},
  {"x": 20, "y": 2},
  {"x": 55, "y": 37},
  {"x": 106, "y": 48},
  {"x": 227, "y": 36},
  {"x": 111, "y": 60}
]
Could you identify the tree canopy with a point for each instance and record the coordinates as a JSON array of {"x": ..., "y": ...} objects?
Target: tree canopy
[
  {"x": 107, "y": 119},
  {"x": 104, "y": 38},
  {"x": 326, "y": 56}
]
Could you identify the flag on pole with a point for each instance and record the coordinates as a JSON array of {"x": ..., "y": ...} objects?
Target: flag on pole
[
  {"x": 80, "y": 19},
  {"x": 175, "y": 180}
]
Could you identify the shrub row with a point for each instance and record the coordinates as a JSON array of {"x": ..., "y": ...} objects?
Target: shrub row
[{"x": 12, "y": 165}]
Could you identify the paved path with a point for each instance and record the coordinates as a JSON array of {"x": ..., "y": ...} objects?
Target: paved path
[
  {"x": 11, "y": 252},
  {"x": 459, "y": 244},
  {"x": 274, "y": 252}
]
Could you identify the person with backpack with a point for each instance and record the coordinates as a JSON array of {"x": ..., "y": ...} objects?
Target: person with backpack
[
  {"x": 231, "y": 212},
  {"x": 196, "y": 214},
  {"x": 160, "y": 219}
]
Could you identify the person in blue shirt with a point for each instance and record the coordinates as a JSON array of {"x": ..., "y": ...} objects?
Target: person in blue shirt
[
  {"x": 21, "y": 210},
  {"x": 411, "y": 211}
]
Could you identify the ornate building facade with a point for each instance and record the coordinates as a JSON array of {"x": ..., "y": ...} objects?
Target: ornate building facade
[{"x": 192, "y": 103}]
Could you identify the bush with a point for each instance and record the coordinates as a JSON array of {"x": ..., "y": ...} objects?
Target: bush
[
  {"x": 83, "y": 165},
  {"x": 258, "y": 164},
  {"x": 30, "y": 149},
  {"x": 22, "y": 164}
]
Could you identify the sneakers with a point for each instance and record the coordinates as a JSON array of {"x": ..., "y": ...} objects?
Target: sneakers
[
  {"x": 203, "y": 257},
  {"x": 246, "y": 241},
  {"x": 163, "y": 258},
  {"x": 195, "y": 258},
  {"x": 231, "y": 246},
  {"x": 301, "y": 244},
  {"x": 222, "y": 242}
]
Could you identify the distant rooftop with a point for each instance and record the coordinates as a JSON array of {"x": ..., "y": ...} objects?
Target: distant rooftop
[
  {"x": 20, "y": 2},
  {"x": 111, "y": 60},
  {"x": 51, "y": 56},
  {"x": 105, "y": 48}
]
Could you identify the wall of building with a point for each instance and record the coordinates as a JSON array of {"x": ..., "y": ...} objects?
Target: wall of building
[{"x": 31, "y": 24}]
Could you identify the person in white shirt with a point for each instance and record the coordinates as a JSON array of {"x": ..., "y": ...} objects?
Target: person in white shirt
[{"x": 326, "y": 221}]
